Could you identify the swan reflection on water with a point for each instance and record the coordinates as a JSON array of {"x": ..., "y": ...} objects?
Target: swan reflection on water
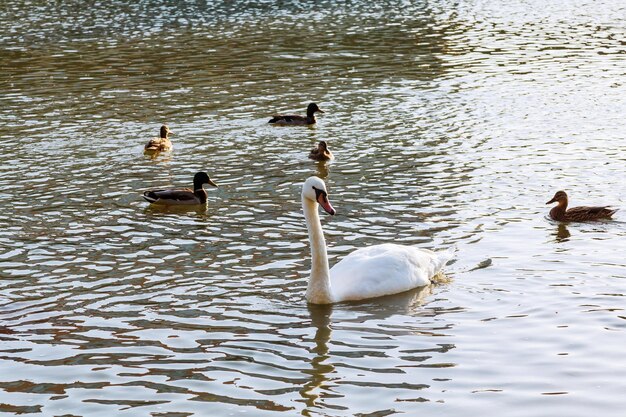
[
  {"x": 320, "y": 318},
  {"x": 318, "y": 386}
]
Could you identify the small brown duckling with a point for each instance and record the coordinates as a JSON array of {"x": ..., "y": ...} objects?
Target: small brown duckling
[
  {"x": 577, "y": 214},
  {"x": 184, "y": 196},
  {"x": 160, "y": 144},
  {"x": 293, "y": 120},
  {"x": 321, "y": 152}
]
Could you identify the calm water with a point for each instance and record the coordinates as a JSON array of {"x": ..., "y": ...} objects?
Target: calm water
[{"x": 452, "y": 123}]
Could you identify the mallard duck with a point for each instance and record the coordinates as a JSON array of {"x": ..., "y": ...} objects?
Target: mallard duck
[
  {"x": 161, "y": 143},
  {"x": 577, "y": 214},
  {"x": 321, "y": 152},
  {"x": 293, "y": 120},
  {"x": 182, "y": 196}
]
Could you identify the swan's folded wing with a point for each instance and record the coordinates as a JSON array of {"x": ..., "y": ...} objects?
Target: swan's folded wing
[{"x": 380, "y": 270}]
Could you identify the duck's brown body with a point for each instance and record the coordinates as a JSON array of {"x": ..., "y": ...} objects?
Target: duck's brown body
[
  {"x": 321, "y": 152},
  {"x": 160, "y": 144},
  {"x": 577, "y": 214},
  {"x": 295, "y": 120}
]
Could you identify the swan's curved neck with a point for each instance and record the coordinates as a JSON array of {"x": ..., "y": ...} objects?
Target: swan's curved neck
[{"x": 318, "y": 291}]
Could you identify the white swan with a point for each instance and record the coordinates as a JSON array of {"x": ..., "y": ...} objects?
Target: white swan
[{"x": 368, "y": 272}]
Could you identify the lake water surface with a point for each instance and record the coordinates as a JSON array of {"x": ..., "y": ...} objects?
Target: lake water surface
[{"x": 452, "y": 123}]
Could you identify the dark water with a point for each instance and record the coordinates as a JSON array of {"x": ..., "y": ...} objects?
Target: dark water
[{"x": 452, "y": 123}]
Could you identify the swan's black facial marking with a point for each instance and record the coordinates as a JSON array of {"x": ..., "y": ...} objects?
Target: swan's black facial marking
[
  {"x": 319, "y": 193},
  {"x": 322, "y": 198}
]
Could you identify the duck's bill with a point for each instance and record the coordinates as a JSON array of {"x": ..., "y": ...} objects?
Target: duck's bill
[
  {"x": 551, "y": 201},
  {"x": 320, "y": 110},
  {"x": 210, "y": 182},
  {"x": 323, "y": 201}
]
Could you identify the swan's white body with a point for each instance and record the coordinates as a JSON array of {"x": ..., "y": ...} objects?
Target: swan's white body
[{"x": 368, "y": 272}]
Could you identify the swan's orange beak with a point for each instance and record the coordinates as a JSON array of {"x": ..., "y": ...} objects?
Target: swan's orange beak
[{"x": 322, "y": 199}]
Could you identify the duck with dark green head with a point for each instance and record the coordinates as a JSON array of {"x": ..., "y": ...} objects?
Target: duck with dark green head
[
  {"x": 295, "y": 120},
  {"x": 184, "y": 196}
]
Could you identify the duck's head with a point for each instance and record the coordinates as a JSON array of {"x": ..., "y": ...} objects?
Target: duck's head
[
  {"x": 165, "y": 131},
  {"x": 312, "y": 108},
  {"x": 559, "y": 197},
  {"x": 315, "y": 190},
  {"x": 202, "y": 178},
  {"x": 322, "y": 146}
]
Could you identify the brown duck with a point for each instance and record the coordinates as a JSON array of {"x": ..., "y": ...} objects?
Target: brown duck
[
  {"x": 161, "y": 143},
  {"x": 184, "y": 196},
  {"x": 577, "y": 214},
  {"x": 321, "y": 152},
  {"x": 293, "y": 120}
]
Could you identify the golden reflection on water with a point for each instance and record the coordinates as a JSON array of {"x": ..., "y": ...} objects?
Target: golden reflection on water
[
  {"x": 323, "y": 168},
  {"x": 159, "y": 156}
]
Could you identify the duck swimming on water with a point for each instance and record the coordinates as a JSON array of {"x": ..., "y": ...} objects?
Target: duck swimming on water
[
  {"x": 294, "y": 120},
  {"x": 577, "y": 214},
  {"x": 184, "y": 196},
  {"x": 321, "y": 152},
  {"x": 160, "y": 144}
]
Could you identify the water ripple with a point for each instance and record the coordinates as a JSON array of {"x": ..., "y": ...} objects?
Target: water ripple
[{"x": 451, "y": 124}]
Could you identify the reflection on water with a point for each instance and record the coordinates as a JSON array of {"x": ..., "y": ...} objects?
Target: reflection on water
[
  {"x": 562, "y": 234},
  {"x": 162, "y": 157},
  {"x": 156, "y": 209},
  {"x": 322, "y": 386},
  {"x": 321, "y": 369},
  {"x": 323, "y": 168},
  {"x": 449, "y": 123}
]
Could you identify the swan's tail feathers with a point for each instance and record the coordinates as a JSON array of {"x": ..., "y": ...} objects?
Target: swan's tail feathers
[{"x": 443, "y": 257}]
